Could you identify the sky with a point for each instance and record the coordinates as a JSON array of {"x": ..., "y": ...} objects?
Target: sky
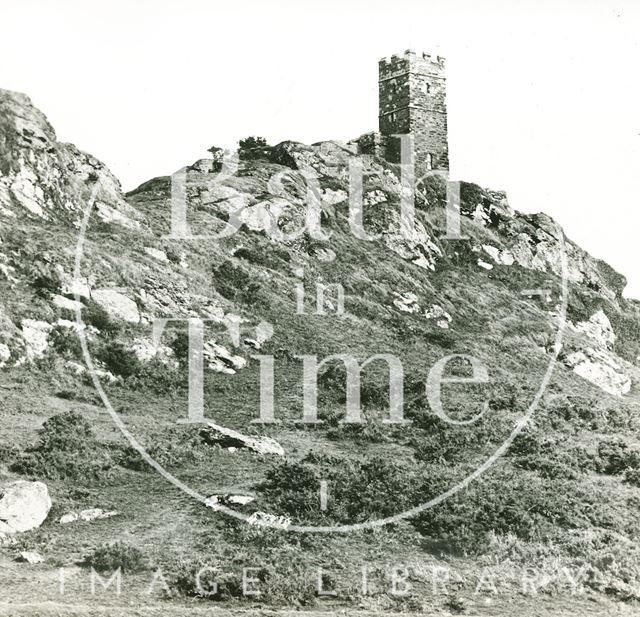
[{"x": 543, "y": 96}]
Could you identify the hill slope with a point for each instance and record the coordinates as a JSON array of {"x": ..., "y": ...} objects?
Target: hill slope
[{"x": 563, "y": 495}]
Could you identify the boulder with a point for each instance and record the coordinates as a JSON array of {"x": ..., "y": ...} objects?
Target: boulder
[
  {"x": 117, "y": 305},
  {"x": 32, "y": 557},
  {"x": 5, "y": 354},
  {"x": 228, "y": 438},
  {"x": 599, "y": 367},
  {"x": 598, "y": 329},
  {"x": 36, "y": 338},
  {"x": 23, "y": 506},
  {"x": 221, "y": 360}
]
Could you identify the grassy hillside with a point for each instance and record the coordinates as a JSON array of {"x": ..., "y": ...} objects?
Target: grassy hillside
[{"x": 564, "y": 495}]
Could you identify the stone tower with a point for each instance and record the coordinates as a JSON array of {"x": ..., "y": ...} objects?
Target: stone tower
[{"x": 412, "y": 100}]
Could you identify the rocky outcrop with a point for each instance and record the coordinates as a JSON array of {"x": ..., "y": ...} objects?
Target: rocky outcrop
[
  {"x": 593, "y": 359},
  {"x": 23, "y": 506},
  {"x": 43, "y": 178}
]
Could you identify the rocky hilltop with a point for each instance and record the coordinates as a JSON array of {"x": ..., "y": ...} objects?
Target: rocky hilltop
[{"x": 497, "y": 294}]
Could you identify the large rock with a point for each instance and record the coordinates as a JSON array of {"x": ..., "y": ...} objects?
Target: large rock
[
  {"x": 117, "y": 305},
  {"x": 599, "y": 367},
  {"x": 23, "y": 506},
  {"x": 36, "y": 338},
  {"x": 593, "y": 359},
  {"x": 228, "y": 438},
  {"x": 598, "y": 329}
]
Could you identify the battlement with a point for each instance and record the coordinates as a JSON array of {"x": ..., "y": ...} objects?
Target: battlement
[{"x": 411, "y": 57}]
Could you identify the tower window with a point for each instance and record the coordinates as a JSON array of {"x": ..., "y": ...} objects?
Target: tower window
[
  {"x": 426, "y": 87},
  {"x": 429, "y": 161},
  {"x": 392, "y": 116},
  {"x": 394, "y": 87}
]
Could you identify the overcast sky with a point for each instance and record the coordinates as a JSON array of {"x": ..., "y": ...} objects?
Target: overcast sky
[{"x": 543, "y": 96}]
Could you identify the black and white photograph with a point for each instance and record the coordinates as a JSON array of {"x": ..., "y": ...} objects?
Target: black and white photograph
[{"x": 319, "y": 308}]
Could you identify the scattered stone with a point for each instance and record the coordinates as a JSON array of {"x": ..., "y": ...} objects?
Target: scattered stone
[
  {"x": 70, "y": 517},
  {"x": 94, "y": 514},
  {"x": 221, "y": 360},
  {"x": 23, "y": 506},
  {"x": 407, "y": 302},
  {"x": 325, "y": 255},
  {"x": 117, "y": 305},
  {"x": 227, "y": 500},
  {"x": 146, "y": 351},
  {"x": 262, "y": 519},
  {"x": 331, "y": 197},
  {"x": 485, "y": 265},
  {"x": 156, "y": 254},
  {"x": 73, "y": 287},
  {"x": 443, "y": 319},
  {"x": 228, "y": 438}
]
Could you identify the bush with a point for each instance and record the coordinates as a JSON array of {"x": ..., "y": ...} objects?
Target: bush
[
  {"x": 360, "y": 491},
  {"x": 235, "y": 284},
  {"x": 66, "y": 342},
  {"x": 67, "y": 448},
  {"x": 252, "y": 142},
  {"x": 45, "y": 281},
  {"x": 172, "y": 447},
  {"x": 110, "y": 557},
  {"x": 522, "y": 505},
  {"x": 615, "y": 457},
  {"x": 94, "y": 315},
  {"x": 632, "y": 476},
  {"x": 119, "y": 359}
]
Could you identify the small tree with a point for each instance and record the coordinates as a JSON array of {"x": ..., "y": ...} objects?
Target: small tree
[{"x": 252, "y": 142}]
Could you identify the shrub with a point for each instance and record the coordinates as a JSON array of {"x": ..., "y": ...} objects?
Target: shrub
[
  {"x": 252, "y": 142},
  {"x": 180, "y": 345},
  {"x": 110, "y": 557},
  {"x": 235, "y": 284},
  {"x": 119, "y": 359},
  {"x": 94, "y": 315},
  {"x": 212, "y": 582},
  {"x": 171, "y": 447},
  {"x": 67, "y": 448},
  {"x": 270, "y": 256},
  {"x": 45, "y": 281},
  {"x": 632, "y": 476},
  {"x": 615, "y": 457},
  {"x": 359, "y": 490},
  {"x": 523, "y": 505},
  {"x": 66, "y": 342}
]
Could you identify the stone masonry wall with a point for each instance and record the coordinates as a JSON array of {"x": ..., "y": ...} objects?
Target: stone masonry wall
[{"x": 412, "y": 100}]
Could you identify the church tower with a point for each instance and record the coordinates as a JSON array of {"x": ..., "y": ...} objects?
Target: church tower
[{"x": 412, "y": 100}]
